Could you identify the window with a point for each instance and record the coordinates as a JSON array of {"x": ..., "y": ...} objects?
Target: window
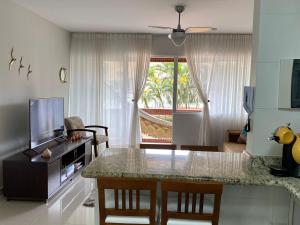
[
  {"x": 158, "y": 92},
  {"x": 187, "y": 98},
  {"x": 159, "y": 100}
]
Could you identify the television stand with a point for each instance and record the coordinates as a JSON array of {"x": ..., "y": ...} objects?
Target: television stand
[
  {"x": 61, "y": 139},
  {"x": 31, "y": 152},
  {"x": 29, "y": 177}
]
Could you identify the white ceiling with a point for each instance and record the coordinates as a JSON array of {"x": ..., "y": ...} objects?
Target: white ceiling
[{"x": 228, "y": 16}]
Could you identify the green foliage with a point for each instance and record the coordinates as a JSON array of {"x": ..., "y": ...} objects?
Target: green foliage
[{"x": 158, "y": 91}]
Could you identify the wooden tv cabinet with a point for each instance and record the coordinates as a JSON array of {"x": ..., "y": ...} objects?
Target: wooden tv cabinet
[{"x": 35, "y": 178}]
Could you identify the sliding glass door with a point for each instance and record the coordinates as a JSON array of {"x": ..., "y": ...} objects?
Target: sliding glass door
[
  {"x": 156, "y": 103},
  {"x": 169, "y": 90}
]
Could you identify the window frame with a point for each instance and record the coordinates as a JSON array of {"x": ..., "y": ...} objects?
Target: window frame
[{"x": 175, "y": 60}]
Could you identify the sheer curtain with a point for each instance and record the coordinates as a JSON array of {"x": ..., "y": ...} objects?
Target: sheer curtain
[
  {"x": 220, "y": 66},
  {"x": 107, "y": 77}
]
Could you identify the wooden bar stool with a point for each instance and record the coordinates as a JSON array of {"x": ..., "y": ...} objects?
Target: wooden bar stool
[
  {"x": 127, "y": 192},
  {"x": 158, "y": 146},
  {"x": 194, "y": 195},
  {"x": 205, "y": 148}
]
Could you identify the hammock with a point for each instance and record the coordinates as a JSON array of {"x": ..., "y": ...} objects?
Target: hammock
[{"x": 155, "y": 127}]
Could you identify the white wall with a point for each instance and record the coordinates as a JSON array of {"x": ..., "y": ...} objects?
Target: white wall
[
  {"x": 163, "y": 47},
  {"x": 46, "y": 48},
  {"x": 186, "y": 128},
  {"x": 276, "y": 36}
]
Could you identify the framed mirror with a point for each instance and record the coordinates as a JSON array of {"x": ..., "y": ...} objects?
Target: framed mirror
[{"x": 63, "y": 75}]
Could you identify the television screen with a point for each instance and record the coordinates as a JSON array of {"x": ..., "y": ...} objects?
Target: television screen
[{"x": 46, "y": 120}]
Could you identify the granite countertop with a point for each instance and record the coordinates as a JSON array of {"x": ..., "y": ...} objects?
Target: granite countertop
[{"x": 229, "y": 168}]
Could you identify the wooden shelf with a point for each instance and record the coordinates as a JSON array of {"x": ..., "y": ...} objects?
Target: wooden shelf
[{"x": 35, "y": 178}]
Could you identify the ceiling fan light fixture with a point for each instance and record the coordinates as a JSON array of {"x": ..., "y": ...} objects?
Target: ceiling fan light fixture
[
  {"x": 178, "y": 34},
  {"x": 178, "y": 38}
]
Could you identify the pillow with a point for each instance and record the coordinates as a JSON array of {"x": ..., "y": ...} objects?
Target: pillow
[
  {"x": 243, "y": 136},
  {"x": 75, "y": 123}
]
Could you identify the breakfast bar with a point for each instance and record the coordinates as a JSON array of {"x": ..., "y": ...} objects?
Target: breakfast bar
[{"x": 250, "y": 194}]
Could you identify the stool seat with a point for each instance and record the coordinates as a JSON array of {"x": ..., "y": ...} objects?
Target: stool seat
[
  {"x": 187, "y": 222},
  {"x": 127, "y": 219}
]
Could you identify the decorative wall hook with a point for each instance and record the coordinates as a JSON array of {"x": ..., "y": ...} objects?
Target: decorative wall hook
[
  {"x": 21, "y": 66},
  {"x": 29, "y": 71},
  {"x": 12, "y": 59}
]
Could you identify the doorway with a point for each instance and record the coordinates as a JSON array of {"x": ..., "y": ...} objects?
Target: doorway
[{"x": 169, "y": 90}]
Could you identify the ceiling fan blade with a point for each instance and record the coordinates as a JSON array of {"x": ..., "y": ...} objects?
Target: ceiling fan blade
[
  {"x": 159, "y": 27},
  {"x": 199, "y": 29}
]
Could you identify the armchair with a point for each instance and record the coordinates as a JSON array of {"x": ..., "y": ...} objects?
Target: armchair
[{"x": 75, "y": 124}]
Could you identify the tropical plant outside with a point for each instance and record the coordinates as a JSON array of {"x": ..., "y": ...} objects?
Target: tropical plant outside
[
  {"x": 187, "y": 94},
  {"x": 158, "y": 92}
]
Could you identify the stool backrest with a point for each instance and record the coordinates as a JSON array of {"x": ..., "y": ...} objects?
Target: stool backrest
[
  {"x": 195, "y": 192},
  {"x": 200, "y": 148},
  {"x": 158, "y": 146},
  {"x": 129, "y": 188}
]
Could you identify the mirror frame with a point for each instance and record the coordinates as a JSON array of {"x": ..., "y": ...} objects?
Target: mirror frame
[{"x": 63, "y": 75}]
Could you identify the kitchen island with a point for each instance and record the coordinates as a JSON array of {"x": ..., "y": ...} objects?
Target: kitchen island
[{"x": 249, "y": 190}]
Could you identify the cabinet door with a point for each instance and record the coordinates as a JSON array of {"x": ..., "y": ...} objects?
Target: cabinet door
[
  {"x": 53, "y": 176},
  {"x": 296, "y": 213}
]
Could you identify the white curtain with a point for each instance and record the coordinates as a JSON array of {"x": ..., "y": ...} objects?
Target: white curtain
[
  {"x": 220, "y": 66},
  {"x": 108, "y": 72}
]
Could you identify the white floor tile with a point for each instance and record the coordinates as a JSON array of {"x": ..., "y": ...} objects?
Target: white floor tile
[{"x": 64, "y": 209}]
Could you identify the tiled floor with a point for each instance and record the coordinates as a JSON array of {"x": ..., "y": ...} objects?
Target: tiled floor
[{"x": 64, "y": 209}]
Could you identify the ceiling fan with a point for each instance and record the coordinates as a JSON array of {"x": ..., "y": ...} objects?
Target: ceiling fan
[{"x": 178, "y": 34}]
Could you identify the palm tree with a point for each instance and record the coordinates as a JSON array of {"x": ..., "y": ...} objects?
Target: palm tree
[
  {"x": 158, "y": 90},
  {"x": 159, "y": 86}
]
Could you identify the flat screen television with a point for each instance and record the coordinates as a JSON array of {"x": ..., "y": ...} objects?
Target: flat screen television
[{"x": 46, "y": 120}]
